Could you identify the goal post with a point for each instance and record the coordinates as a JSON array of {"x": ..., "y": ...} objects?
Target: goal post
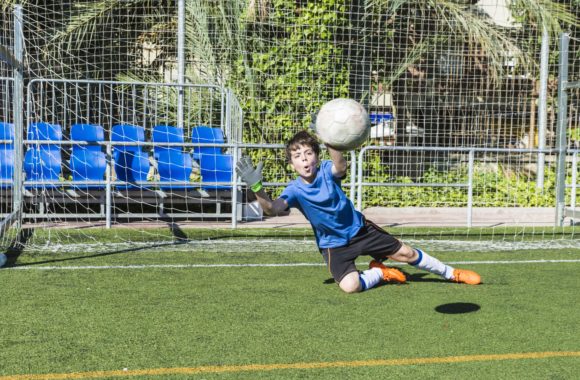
[{"x": 12, "y": 125}]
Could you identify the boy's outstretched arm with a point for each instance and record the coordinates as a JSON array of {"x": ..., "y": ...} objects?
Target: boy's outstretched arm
[
  {"x": 253, "y": 177},
  {"x": 338, "y": 162},
  {"x": 271, "y": 207}
]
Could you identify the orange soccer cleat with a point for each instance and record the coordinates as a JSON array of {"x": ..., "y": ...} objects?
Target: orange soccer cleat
[
  {"x": 389, "y": 274},
  {"x": 466, "y": 276}
]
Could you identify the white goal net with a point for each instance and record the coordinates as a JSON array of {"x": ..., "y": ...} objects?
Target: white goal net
[{"x": 134, "y": 114}]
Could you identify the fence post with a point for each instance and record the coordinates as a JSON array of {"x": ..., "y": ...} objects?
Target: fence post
[
  {"x": 574, "y": 180},
  {"x": 359, "y": 178},
  {"x": 180, "y": 60},
  {"x": 470, "y": 188},
  {"x": 353, "y": 168},
  {"x": 542, "y": 106},
  {"x": 561, "y": 130},
  {"x": 229, "y": 106},
  {"x": 108, "y": 186},
  {"x": 17, "y": 103}
]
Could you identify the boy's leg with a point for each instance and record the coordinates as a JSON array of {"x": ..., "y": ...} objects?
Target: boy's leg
[
  {"x": 340, "y": 262},
  {"x": 355, "y": 282},
  {"x": 389, "y": 274},
  {"x": 421, "y": 260},
  {"x": 342, "y": 268},
  {"x": 381, "y": 245}
]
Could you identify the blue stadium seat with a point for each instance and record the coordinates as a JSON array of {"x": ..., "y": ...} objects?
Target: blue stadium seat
[
  {"x": 131, "y": 162},
  {"x": 216, "y": 168},
  {"x": 42, "y": 162},
  {"x": 87, "y": 162},
  {"x": 206, "y": 135},
  {"x": 6, "y": 155},
  {"x": 173, "y": 164}
]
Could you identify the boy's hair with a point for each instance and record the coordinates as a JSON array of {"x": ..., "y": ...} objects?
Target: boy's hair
[{"x": 302, "y": 138}]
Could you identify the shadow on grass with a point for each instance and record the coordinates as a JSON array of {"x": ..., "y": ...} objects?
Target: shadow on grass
[
  {"x": 416, "y": 277},
  {"x": 17, "y": 247},
  {"x": 457, "y": 308},
  {"x": 421, "y": 277}
]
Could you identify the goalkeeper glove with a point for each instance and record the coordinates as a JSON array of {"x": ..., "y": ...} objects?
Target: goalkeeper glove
[{"x": 250, "y": 175}]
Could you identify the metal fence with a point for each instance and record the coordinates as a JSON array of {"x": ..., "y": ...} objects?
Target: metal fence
[
  {"x": 65, "y": 103},
  {"x": 444, "y": 108}
]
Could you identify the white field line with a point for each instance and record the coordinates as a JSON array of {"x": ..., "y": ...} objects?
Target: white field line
[{"x": 265, "y": 265}]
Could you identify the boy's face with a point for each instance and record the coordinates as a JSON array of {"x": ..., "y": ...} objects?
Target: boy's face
[{"x": 304, "y": 161}]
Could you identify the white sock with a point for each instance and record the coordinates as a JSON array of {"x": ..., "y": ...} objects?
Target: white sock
[
  {"x": 432, "y": 265},
  {"x": 370, "y": 278}
]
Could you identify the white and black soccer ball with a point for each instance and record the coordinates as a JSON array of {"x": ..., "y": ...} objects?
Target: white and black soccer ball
[{"x": 343, "y": 124}]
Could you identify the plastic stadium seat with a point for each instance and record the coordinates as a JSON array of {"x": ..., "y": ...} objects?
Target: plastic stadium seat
[
  {"x": 216, "y": 168},
  {"x": 173, "y": 164},
  {"x": 6, "y": 154},
  {"x": 131, "y": 162},
  {"x": 87, "y": 162},
  {"x": 42, "y": 162},
  {"x": 206, "y": 135}
]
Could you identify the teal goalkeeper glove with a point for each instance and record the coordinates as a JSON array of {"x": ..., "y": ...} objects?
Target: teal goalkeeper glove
[{"x": 250, "y": 175}]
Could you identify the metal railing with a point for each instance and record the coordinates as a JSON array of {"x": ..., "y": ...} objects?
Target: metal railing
[
  {"x": 468, "y": 184},
  {"x": 110, "y": 183}
]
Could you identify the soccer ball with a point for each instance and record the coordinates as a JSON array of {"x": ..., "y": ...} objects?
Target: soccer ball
[{"x": 343, "y": 124}]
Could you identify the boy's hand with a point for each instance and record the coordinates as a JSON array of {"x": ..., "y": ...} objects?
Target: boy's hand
[
  {"x": 250, "y": 175},
  {"x": 312, "y": 127}
]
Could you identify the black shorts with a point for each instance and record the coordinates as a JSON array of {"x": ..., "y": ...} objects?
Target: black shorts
[{"x": 371, "y": 240}]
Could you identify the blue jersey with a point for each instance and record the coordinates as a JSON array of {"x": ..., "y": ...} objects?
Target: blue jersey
[{"x": 331, "y": 214}]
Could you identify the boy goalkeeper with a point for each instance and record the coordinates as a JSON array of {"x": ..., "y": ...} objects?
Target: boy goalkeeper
[{"x": 342, "y": 233}]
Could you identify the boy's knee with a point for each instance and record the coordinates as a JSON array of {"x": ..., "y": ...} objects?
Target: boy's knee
[{"x": 350, "y": 283}]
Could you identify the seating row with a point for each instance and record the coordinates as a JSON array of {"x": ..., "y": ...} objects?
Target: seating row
[{"x": 43, "y": 161}]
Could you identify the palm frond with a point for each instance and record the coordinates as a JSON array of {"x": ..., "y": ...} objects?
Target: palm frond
[
  {"x": 413, "y": 56},
  {"x": 496, "y": 44},
  {"x": 6, "y": 5},
  {"x": 199, "y": 44},
  {"x": 89, "y": 17},
  {"x": 545, "y": 13},
  {"x": 257, "y": 10}
]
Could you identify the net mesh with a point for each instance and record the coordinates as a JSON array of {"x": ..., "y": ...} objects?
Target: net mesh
[{"x": 111, "y": 140}]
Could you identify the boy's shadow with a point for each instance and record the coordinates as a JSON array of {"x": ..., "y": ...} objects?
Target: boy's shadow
[
  {"x": 415, "y": 277},
  {"x": 420, "y": 277}
]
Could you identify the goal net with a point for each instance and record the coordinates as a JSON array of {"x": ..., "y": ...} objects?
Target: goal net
[{"x": 135, "y": 114}]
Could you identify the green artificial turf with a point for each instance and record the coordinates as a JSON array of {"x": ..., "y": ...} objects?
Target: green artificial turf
[{"x": 99, "y": 318}]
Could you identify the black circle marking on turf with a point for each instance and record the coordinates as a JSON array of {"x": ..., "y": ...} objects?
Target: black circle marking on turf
[{"x": 457, "y": 308}]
